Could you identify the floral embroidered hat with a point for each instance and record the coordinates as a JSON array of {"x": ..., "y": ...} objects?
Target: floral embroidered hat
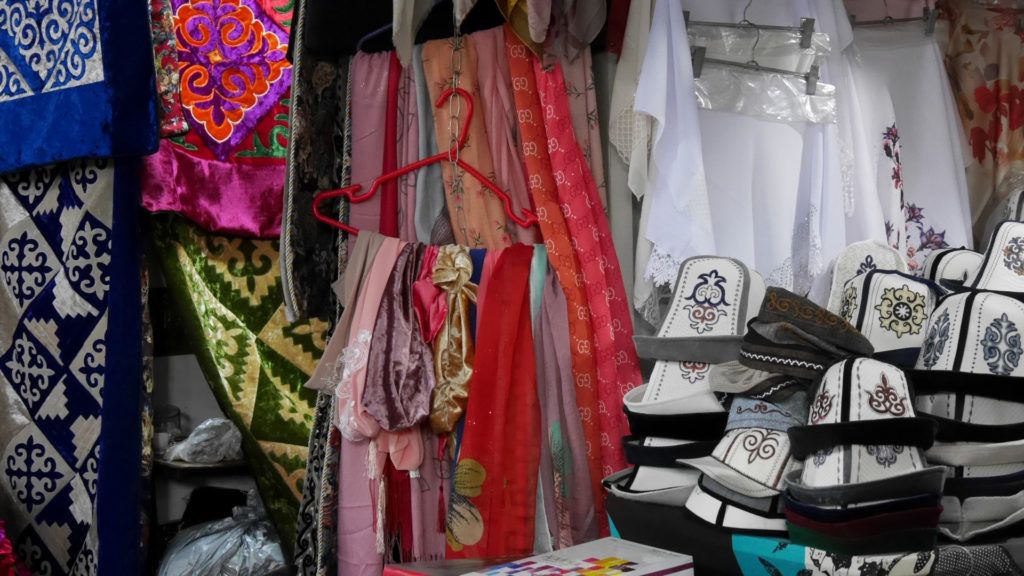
[
  {"x": 860, "y": 407},
  {"x": 1002, "y": 268},
  {"x": 891, "y": 310},
  {"x": 675, "y": 414},
  {"x": 854, "y": 260}
]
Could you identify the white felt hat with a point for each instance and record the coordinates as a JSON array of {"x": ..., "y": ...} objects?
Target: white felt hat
[
  {"x": 891, "y": 310},
  {"x": 862, "y": 433},
  {"x": 856, "y": 259},
  {"x": 951, "y": 265},
  {"x": 713, "y": 301}
]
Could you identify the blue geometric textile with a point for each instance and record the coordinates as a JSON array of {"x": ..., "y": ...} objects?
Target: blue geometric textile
[
  {"x": 76, "y": 80},
  {"x": 65, "y": 304}
]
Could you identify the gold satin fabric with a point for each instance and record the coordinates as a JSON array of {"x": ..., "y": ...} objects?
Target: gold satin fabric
[{"x": 453, "y": 346}]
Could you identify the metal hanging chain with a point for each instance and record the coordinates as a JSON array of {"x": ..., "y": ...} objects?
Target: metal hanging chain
[{"x": 455, "y": 102}]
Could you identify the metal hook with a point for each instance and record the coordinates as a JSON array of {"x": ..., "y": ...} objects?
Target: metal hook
[
  {"x": 745, "y": 8},
  {"x": 888, "y": 16},
  {"x": 753, "y": 49}
]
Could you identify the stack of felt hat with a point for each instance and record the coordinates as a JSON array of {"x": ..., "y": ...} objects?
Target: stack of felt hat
[
  {"x": 790, "y": 343},
  {"x": 675, "y": 415},
  {"x": 865, "y": 487},
  {"x": 970, "y": 381},
  {"x": 860, "y": 492}
]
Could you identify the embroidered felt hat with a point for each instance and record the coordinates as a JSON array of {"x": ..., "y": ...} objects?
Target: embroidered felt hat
[
  {"x": 976, "y": 333},
  {"x": 1002, "y": 268},
  {"x": 735, "y": 378},
  {"x": 730, "y": 511},
  {"x": 753, "y": 457},
  {"x": 952, "y": 266},
  {"x": 890, "y": 309},
  {"x": 675, "y": 414},
  {"x": 794, "y": 336},
  {"x": 860, "y": 408},
  {"x": 855, "y": 259},
  {"x": 969, "y": 381}
]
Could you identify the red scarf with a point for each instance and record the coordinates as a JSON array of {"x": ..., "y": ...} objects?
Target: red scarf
[
  {"x": 562, "y": 258},
  {"x": 588, "y": 226},
  {"x": 493, "y": 503}
]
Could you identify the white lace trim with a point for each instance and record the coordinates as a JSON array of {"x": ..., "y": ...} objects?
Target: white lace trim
[
  {"x": 353, "y": 359},
  {"x": 663, "y": 268}
]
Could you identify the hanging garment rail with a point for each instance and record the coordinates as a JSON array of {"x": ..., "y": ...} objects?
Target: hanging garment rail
[
  {"x": 805, "y": 29},
  {"x": 698, "y": 57},
  {"x": 929, "y": 17}
]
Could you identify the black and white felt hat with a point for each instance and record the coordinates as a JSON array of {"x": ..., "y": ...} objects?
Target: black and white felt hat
[
  {"x": 951, "y": 265},
  {"x": 753, "y": 457},
  {"x": 968, "y": 379},
  {"x": 856, "y": 259},
  {"x": 891, "y": 310},
  {"x": 675, "y": 414},
  {"x": 976, "y": 333},
  {"x": 1002, "y": 268},
  {"x": 730, "y": 511},
  {"x": 862, "y": 442}
]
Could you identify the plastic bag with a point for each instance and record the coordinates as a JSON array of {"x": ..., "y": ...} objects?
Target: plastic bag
[
  {"x": 243, "y": 545},
  {"x": 214, "y": 440}
]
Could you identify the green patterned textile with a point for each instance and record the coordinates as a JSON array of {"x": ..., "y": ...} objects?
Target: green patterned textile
[{"x": 254, "y": 359}]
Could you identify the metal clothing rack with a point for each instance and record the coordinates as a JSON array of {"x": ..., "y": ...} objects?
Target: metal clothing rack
[
  {"x": 930, "y": 17},
  {"x": 698, "y": 57},
  {"x": 805, "y": 29}
]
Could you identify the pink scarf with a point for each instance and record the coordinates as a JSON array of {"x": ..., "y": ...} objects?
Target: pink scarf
[{"x": 588, "y": 226}]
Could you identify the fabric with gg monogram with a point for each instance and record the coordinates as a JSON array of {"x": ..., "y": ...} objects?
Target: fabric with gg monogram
[
  {"x": 229, "y": 290},
  {"x": 76, "y": 80},
  {"x": 228, "y": 171},
  {"x": 69, "y": 412},
  {"x": 561, "y": 256},
  {"x": 589, "y": 229}
]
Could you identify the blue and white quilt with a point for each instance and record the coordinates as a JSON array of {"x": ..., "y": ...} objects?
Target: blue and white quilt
[{"x": 70, "y": 367}]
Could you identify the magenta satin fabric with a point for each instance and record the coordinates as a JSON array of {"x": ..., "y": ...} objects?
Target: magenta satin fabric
[
  {"x": 369, "y": 103},
  {"x": 429, "y": 301},
  {"x": 499, "y": 110},
  {"x": 225, "y": 197}
]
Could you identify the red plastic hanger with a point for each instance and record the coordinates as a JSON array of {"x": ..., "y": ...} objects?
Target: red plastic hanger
[{"x": 527, "y": 219}]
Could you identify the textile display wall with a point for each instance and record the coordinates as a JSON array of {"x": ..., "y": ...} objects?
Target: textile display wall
[
  {"x": 254, "y": 359},
  {"x": 90, "y": 60},
  {"x": 71, "y": 429}
]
